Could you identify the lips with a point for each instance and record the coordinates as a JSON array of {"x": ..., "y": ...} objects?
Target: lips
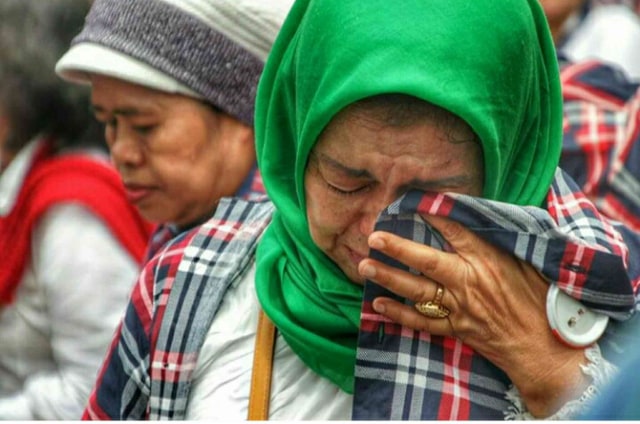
[
  {"x": 355, "y": 256},
  {"x": 135, "y": 193}
]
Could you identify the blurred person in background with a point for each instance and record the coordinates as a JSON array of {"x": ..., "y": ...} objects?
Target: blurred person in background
[
  {"x": 601, "y": 151},
  {"x": 601, "y": 92},
  {"x": 178, "y": 109},
  {"x": 608, "y": 30},
  {"x": 71, "y": 242},
  {"x": 178, "y": 106},
  {"x": 601, "y": 137},
  {"x": 601, "y": 142}
]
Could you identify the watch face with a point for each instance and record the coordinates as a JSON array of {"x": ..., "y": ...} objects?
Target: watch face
[{"x": 572, "y": 322}]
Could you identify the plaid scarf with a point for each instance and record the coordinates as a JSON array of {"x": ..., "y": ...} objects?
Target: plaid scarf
[
  {"x": 251, "y": 188},
  {"x": 404, "y": 374},
  {"x": 147, "y": 372}
]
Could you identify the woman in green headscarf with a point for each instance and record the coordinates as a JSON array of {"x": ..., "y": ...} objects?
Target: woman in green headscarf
[
  {"x": 370, "y": 116},
  {"x": 332, "y": 161}
]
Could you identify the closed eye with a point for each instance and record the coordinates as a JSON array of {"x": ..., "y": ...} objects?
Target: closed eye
[
  {"x": 143, "y": 129},
  {"x": 343, "y": 192}
]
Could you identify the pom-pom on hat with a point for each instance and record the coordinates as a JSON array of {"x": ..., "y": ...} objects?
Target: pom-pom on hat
[{"x": 208, "y": 49}]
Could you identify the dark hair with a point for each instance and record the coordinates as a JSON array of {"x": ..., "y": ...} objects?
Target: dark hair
[
  {"x": 402, "y": 110},
  {"x": 33, "y": 35}
]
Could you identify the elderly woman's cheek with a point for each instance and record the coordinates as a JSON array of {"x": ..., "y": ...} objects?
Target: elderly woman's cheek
[{"x": 326, "y": 222}]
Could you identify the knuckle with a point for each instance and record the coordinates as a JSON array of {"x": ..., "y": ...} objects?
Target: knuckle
[
  {"x": 419, "y": 292},
  {"x": 452, "y": 230},
  {"x": 429, "y": 265}
]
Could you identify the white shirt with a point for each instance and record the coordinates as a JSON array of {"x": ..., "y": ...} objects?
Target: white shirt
[
  {"x": 610, "y": 33},
  {"x": 222, "y": 377},
  {"x": 72, "y": 295}
]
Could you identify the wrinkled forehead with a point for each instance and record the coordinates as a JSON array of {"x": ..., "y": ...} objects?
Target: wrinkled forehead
[{"x": 398, "y": 113}]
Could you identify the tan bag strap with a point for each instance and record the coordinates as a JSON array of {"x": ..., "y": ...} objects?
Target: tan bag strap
[{"x": 260, "y": 393}]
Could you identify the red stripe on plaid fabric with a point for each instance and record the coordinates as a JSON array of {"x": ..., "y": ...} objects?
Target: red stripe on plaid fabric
[
  {"x": 435, "y": 204},
  {"x": 574, "y": 267},
  {"x": 371, "y": 319},
  {"x": 636, "y": 285},
  {"x": 579, "y": 91},
  {"x": 568, "y": 206},
  {"x": 162, "y": 365},
  {"x": 93, "y": 411},
  {"x": 172, "y": 366},
  {"x": 455, "y": 403},
  {"x": 162, "y": 268},
  {"x": 617, "y": 244},
  {"x": 160, "y": 307},
  {"x": 257, "y": 186},
  {"x": 222, "y": 229},
  {"x": 596, "y": 139},
  {"x": 372, "y": 322},
  {"x": 142, "y": 298},
  {"x": 574, "y": 89},
  {"x": 612, "y": 207}
]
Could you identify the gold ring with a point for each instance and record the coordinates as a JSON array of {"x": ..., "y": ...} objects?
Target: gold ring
[{"x": 433, "y": 308}]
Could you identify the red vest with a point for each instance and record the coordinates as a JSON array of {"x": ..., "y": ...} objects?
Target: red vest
[{"x": 54, "y": 180}]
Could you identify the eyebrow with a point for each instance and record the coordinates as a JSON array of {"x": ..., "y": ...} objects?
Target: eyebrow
[
  {"x": 351, "y": 172},
  {"x": 122, "y": 111},
  {"x": 456, "y": 180}
]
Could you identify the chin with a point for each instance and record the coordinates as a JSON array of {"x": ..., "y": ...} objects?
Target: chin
[
  {"x": 354, "y": 277},
  {"x": 349, "y": 268},
  {"x": 155, "y": 217}
]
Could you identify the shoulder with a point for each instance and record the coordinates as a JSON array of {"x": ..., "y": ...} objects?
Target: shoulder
[
  {"x": 226, "y": 240},
  {"x": 75, "y": 178},
  {"x": 235, "y": 220},
  {"x": 73, "y": 224}
]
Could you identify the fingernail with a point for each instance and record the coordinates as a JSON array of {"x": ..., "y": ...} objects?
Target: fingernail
[
  {"x": 376, "y": 243},
  {"x": 379, "y": 307},
  {"x": 369, "y": 271}
]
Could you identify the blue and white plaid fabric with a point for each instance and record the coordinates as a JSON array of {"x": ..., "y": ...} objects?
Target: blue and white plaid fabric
[
  {"x": 404, "y": 374},
  {"x": 147, "y": 372}
]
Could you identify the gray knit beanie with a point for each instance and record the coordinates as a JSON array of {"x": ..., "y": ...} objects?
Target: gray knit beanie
[{"x": 209, "y": 49}]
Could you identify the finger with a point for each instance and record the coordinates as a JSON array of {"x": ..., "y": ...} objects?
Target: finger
[
  {"x": 461, "y": 239},
  {"x": 408, "y": 316},
  {"x": 416, "y": 288},
  {"x": 445, "y": 268},
  {"x": 482, "y": 256}
]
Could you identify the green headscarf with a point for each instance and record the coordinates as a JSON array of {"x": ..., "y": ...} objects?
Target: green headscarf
[{"x": 492, "y": 63}]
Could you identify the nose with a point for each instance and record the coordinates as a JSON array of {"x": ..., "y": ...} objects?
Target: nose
[
  {"x": 367, "y": 223},
  {"x": 374, "y": 206},
  {"x": 125, "y": 151}
]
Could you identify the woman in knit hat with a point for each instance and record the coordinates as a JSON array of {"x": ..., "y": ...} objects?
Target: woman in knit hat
[
  {"x": 439, "y": 122},
  {"x": 71, "y": 242},
  {"x": 174, "y": 82}
]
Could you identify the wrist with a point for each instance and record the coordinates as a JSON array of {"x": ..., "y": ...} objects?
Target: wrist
[
  {"x": 597, "y": 372},
  {"x": 547, "y": 382}
]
